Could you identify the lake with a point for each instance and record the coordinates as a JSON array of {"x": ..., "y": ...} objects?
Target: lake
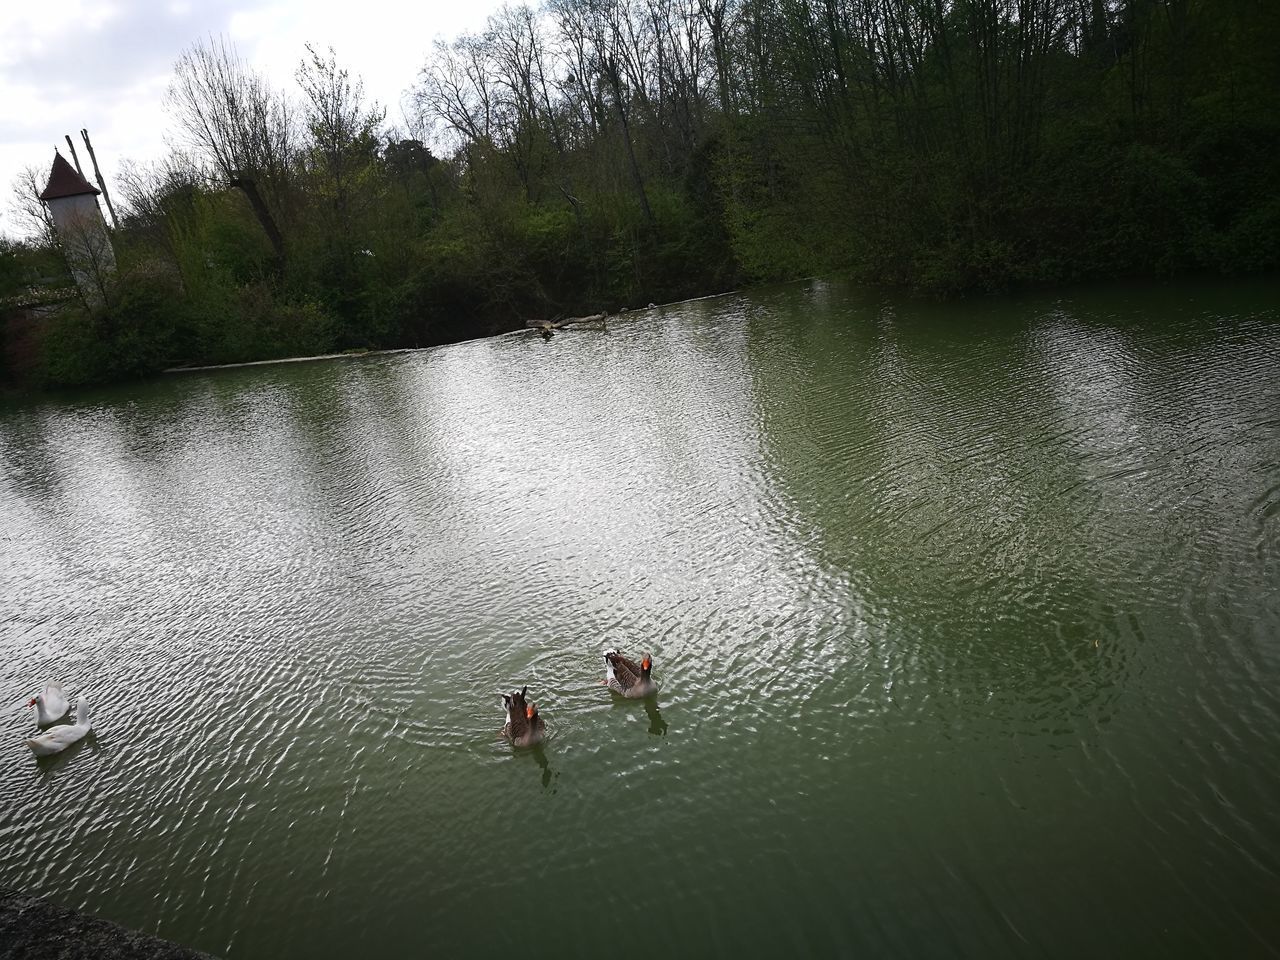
[{"x": 966, "y": 619}]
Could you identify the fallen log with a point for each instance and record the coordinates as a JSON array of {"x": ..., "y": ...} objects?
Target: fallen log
[{"x": 545, "y": 327}]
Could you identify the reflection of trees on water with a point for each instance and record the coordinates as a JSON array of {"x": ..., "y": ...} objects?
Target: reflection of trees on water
[
  {"x": 998, "y": 480},
  {"x": 921, "y": 453}
]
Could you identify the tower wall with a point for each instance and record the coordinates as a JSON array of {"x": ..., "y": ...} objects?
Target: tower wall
[{"x": 84, "y": 237}]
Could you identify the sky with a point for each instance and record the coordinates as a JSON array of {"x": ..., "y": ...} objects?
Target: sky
[{"x": 104, "y": 65}]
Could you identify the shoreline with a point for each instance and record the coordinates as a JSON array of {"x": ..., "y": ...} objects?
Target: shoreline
[
  {"x": 318, "y": 356},
  {"x": 393, "y": 350},
  {"x": 35, "y": 927}
]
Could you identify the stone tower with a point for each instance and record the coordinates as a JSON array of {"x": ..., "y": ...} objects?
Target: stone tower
[{"x": 73, "y": 204}]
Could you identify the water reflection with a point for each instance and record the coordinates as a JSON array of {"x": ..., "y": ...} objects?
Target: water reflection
[
  {"x": 909, "y": 603},
  {"x": 52, "y": 766},
  {"x": 623, "y": 705},
  {"x": 657, "y": 725},
  {"x": 548, "y": 775},
  {"x": 940, "y": 511}
]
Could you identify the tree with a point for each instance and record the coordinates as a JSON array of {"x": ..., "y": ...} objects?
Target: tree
[
  {"x": 30, "y": 212},
  {"x": 228, "y": 114},
  {"x": 344, "y": 130},
  {"x": 160, "y": 205}
]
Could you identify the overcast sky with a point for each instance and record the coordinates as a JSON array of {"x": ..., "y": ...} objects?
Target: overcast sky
[{"x": 67, "y": 64}]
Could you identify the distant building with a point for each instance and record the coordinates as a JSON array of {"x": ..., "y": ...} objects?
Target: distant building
[{"x": 73, "y": 204}]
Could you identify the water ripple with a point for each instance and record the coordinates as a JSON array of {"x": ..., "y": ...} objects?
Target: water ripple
[{"x": 960, "y": 615}]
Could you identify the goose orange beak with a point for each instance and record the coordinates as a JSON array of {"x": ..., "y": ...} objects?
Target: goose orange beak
[{"x": 528, "y": 712}]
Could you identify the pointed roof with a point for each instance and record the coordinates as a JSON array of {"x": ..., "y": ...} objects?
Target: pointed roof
[{"x": 65, "y": 182}]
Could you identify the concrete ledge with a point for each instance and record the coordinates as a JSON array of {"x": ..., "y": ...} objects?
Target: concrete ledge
[{"x": 37, "y": 929}]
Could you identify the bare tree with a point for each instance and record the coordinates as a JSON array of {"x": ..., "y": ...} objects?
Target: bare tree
[
  {"x": 457, "y": 87},
  {"x": 612, "y": 56},
  {"x": 231, "y": 117},
  {"x": 160, "y": 201},
  {"x": 30, "y": 213},
  {"x": 582, "y": 95},
  {"x": 714, "y": 14}
]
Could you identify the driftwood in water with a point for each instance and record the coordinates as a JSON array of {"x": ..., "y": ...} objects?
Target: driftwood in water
[{"x": 547, "y": 327}]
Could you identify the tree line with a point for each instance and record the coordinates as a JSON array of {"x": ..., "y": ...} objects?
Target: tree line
[{"x": 595, "y": 154}]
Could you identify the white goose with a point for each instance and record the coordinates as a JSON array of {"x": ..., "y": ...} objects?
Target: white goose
[
  {"x": 51, "y": 705},
  {"x": 59, "y": 738}
]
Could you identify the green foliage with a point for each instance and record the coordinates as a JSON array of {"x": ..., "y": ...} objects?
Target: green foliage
[
  {"x": 232, "y": 245},
  {"x": 11, "y": 269},
  {"x": 1141, "y": 143},
  {"x": 257, "y": 324},
  {"x": 131, "y": 335},
  {"x": 1251, "y": 243}
]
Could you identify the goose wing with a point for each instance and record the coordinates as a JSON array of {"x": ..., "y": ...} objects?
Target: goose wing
[
  {"x": 625, "y": 670},
  {"x": 517, "y": 723},
  {"x": 55, "y": 741}
]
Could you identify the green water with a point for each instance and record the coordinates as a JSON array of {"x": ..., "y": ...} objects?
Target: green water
[{"x": 966, "y": 620}]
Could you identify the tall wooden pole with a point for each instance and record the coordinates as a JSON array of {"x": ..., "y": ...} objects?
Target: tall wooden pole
[
  {"x": 102, "y": 184},
  {"x": 71, "y": 144}
]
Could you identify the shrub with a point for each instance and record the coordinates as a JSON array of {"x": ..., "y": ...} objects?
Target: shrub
[{"x": 130, "y": 335}]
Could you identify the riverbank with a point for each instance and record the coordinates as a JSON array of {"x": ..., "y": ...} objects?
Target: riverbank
[
  {"x": 264, "y": 363},
  {"x": 382, "y": 353},
  {"x": 21, "y": 333},
  {"x": 34, "y": 927}
]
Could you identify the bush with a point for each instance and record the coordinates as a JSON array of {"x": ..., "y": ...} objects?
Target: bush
[
  {"x": 11, "y": 272},
  {"x": 130, "y": 335},
  {"x": 260, "y": 325}
]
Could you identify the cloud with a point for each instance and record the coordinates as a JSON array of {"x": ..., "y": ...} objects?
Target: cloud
[{"x": 98, "y": 58}]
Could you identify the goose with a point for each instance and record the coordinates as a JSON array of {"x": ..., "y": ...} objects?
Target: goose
[
  {"x": 524, "y": 726},
  {"x": 59, "y": 738},
  {"x": 51, "y": 705},
  {"x": 629, "y": 678}
]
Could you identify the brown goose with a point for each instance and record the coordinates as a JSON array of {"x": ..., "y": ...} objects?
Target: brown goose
[
  {"x": 524, "y": 726},
  {"x": 629, "y": 678}
]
